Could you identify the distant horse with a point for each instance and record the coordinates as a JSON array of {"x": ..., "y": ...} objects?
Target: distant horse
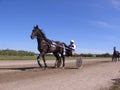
[
  {"x": 48, "y": 46},
  {"x": 115, "y": 55}
]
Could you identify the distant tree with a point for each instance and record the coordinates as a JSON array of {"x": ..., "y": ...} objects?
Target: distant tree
[
  {"x": 104, "y": 55},
  {"x": 87, "y": 55},
  {"x": 96, "y": 55},
  {"x": 10, "y": 52}
]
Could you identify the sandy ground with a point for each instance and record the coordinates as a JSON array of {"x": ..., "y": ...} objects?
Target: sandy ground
[{"x": 26, "y": 75}]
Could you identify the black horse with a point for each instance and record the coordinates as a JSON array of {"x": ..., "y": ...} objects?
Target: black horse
[
  {"x": 116, "y": 55},
  {"x": 48, "y": 46}
]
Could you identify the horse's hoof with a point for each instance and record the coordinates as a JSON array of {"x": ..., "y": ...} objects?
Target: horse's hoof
[
  {"x": 40, "y": 65},
  {"x": 45, "y": 68}
]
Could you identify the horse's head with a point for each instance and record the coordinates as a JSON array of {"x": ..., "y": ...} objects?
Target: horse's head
[{"x": 35, "y": 32}]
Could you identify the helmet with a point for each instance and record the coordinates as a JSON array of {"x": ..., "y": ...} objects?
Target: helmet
[{"x": 72, "y": 41}]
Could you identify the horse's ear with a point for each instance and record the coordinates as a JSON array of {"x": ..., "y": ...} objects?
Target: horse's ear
[{"x": 37, "y": 26}]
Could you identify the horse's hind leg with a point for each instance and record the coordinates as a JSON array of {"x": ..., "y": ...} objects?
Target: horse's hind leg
[
  {"x": 38, "y": 60},
  {"x": 58, "y": 60},
  {"x": 63, "y": 57}
]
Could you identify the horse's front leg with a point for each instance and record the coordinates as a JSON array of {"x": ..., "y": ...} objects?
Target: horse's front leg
[
  {"x": 38, "y": 60},
  {"x": 113, "y": 58},
  {"x": 43, "y": 57}
]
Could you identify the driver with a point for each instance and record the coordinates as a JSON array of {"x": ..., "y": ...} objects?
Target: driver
[{"x": 72, "y": 46}]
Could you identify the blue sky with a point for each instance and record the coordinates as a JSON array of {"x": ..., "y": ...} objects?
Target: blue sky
[{"x": 94, "y": 25}]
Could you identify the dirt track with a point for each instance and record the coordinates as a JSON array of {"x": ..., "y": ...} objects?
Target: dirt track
[{"x": 26, "y": 75}]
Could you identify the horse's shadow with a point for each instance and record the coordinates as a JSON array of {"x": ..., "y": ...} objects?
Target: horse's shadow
[
  {"x": 26, "y": 68},
  {"x": 116, "y": 79},
  {"x": 19, "y": 68}
]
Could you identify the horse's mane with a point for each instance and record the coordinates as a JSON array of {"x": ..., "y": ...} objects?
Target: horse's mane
[
  {"x": 44, "y": 36},
  {"x": 42, "y": 33}
]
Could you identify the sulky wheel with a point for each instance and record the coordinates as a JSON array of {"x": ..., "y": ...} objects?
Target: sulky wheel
[{"x": 78, "y": 62}]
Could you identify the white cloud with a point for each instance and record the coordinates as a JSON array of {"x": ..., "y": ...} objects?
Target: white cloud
[
  {"x": 106, "y": 25},
  {"x": 102, "y": 24},
  {"x": 116, "y": 4}
]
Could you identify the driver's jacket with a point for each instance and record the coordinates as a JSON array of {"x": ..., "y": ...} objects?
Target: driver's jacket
[{"x": 72, "y": 47}]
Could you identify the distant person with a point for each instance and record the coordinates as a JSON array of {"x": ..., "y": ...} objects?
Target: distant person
[
  {"x": 72, "y": 47},
  {"x": 114, "y": 48},
  {"x": 116, "y": 54},
  {"x": 115, "y": 51}
]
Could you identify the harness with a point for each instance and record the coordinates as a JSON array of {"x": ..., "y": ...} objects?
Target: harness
[{"x": 51, "y": 43}]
